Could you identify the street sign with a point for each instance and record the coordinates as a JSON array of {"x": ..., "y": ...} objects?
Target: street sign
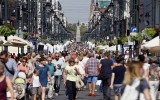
[{"x": 134, "y": 29}]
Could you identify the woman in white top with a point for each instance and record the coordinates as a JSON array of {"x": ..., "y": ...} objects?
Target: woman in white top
[
  {"x": 71, "y": 73},
  {"x": 36, "y": 84}
]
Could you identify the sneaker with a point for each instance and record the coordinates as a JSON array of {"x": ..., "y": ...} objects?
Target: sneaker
[{"x": 56, "y": 94}]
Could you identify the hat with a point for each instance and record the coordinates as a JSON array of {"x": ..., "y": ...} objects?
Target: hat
[{"x": 22, "y": 75}]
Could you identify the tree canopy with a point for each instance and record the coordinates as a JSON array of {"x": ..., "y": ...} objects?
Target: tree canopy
[
  {"x": 6, "y": 31},
  {"x": 72, "y": 28},
  {"x": 83, "y": 28}
]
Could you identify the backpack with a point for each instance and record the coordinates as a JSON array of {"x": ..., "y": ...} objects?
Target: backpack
[{"x": 132, "y": 92}]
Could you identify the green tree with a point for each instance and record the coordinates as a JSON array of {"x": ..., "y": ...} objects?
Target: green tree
[
  {"x": 124, "y": 39},
  {"x": 72, "y": 28},
  {"x": 6, "y": 31},
  {"x": 151, "y": 32},
  {"x": 26, "y": 35},
  {"x": 137, "y": 37},
  {"x": 83, "y": 28}
]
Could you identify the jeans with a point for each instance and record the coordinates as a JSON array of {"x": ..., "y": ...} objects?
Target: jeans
[
  {"x": 71, "y": 90},
  {"x": 85, "y": 80},
  {"x": 101, "y": 87},
  {"x": 57, "y": 83},
  {"x": 106, "y": 85}
]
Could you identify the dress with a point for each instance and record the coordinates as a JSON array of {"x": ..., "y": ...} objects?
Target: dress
[
  {"x": 3, "y": 89},
  {"x": 43, "y": 75}
]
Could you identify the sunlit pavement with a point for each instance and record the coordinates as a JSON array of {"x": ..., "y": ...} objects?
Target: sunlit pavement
[{"x": 82, "y": 95}]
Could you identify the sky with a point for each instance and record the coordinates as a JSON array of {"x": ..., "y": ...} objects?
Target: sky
[{"x": 76, "y": 10}]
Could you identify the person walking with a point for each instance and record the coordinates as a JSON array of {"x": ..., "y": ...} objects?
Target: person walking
[
  {"x": 134, "y": 79},
  {"x": 51, "y": 67},
  {"x": 36, "y": 85},
  {"x": 23, "y": 66},
  {"x": 154, "y": 75},
  {"x": 118, "y": 73},
  {"x": 92, "y": 66},
  {"x": 84, "y": 61},
  {"x": 59, "y": 67},
  {"x": 43, "y": 76},
  {"x": 4, "y": 84},
  {"x": 71, "y": 73},
  {"x": 105, "y": 74},
  {"x": 10, "y": 66}
]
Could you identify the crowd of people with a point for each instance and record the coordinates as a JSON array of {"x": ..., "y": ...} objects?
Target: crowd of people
[{"x": 78, "y": 68}]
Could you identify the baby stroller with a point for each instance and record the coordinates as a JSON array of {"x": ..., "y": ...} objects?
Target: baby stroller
[
  {"x": 50, "y": 89},
  {"x": 20, "y": 86}
]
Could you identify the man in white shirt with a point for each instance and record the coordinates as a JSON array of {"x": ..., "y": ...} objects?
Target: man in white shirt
[
  {"x": 59, "y": 66},
  {"x": 84, "y": 61}
]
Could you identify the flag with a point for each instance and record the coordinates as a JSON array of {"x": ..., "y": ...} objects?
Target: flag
[{"x": 59, "y": 6}]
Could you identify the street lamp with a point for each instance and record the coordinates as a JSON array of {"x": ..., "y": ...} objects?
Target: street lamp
[
  {"x": 110, "y": 10},
  {"x": 52, "y": 12}
]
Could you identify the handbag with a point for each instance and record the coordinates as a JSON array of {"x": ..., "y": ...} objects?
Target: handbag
[{"x": 79, "y": 82}]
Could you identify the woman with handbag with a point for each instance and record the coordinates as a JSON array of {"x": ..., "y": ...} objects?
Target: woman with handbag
[{"x": 70, "y": 78}]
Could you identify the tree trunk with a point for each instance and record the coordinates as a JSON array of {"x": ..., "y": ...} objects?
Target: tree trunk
[{"x": 6, "y": 38}]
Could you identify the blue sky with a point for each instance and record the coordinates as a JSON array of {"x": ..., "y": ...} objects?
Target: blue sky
[{"x": 76, "y": 10}]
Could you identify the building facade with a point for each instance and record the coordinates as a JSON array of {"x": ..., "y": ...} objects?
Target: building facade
[{"x": 149, "y": 14}]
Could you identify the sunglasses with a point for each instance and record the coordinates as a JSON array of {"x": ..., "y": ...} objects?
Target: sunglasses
[{"x": 57, "y": 56}]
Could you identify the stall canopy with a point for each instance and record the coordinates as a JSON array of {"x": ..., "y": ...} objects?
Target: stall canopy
[
  {"x": 152, "y": 45},
  {"x": 103, "y": 47},
  {"x": 113, "y": 48},
  {"x": 17, "y": 41},
  {"x": 50, "y": 48},
  {"x": 7, "y": 43},
  {"x": 45, "y": 47}
]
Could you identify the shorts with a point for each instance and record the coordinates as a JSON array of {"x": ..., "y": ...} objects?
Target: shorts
[
  {"x": 36, "y": 90},
  {"x": 118, "y": 89},
  {"x": 92, "y": 79}
]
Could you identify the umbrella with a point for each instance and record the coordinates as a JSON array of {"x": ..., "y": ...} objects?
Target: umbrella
[
  {"x": 152, "y": 43},
  {"x": 7, "y": 43},
  {"x": 17, "y": 41}
]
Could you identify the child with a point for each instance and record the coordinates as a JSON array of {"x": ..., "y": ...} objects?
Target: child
[
  {"x": 19, "y": 93},
  {"x": 36, "y": 84}
]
